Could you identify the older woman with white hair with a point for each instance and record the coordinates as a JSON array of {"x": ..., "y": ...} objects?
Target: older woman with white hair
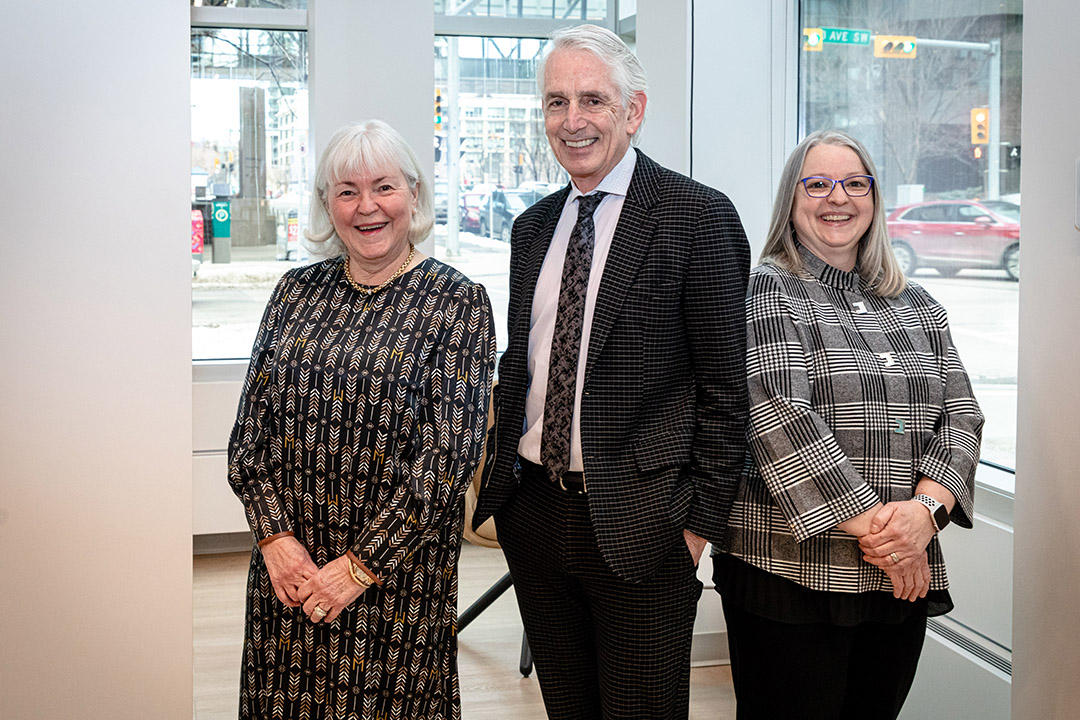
[
  {"x": 864, "y": 437},
  {"x": 361, "y": 421}
]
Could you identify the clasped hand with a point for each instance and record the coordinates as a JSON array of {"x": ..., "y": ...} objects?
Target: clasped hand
[
  {"x": 901, "y": 529},
  {"x": 298, "y": 581}
]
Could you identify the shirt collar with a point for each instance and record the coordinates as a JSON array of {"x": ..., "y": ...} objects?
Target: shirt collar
[
  {"x": 616, "y": 182},
  {"x": 826, "y": 273}
]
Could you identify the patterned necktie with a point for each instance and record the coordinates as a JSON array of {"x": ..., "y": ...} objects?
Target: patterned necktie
[{"x": 566, "y": 341}]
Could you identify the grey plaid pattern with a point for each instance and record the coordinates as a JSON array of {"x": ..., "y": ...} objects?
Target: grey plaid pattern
[
  {"x": 853, "y": 399},
  {"x": 663, "y": 406},
  {"x": 604, "y": 647},
  {"x": 566, "y": 342},
  {"x": 663, "y": 428}
]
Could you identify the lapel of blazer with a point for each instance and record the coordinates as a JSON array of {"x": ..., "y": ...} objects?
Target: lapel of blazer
[
  {"x": 633, "y": 235},
  {"x": 535, "y": 250}
]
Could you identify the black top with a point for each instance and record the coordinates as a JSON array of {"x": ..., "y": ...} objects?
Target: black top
[{"x": 770, "y": 596}]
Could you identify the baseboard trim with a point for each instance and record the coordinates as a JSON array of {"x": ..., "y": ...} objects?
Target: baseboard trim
[
  {"x": 709, "y": 648},
  {"x": 212, "y": 543}
]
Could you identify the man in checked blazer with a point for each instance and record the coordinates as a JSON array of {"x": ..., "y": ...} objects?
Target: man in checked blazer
[{"x": 622, "y": 406}]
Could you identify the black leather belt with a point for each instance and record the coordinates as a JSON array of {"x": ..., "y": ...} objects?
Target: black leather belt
[{"x": 571, "y": 482}]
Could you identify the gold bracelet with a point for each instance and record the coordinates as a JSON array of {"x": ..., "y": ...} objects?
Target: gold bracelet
[{"x": 359, "y": 576}]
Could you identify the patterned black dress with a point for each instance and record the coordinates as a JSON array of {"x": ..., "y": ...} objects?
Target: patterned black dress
[{"x": 361, "y": 421}]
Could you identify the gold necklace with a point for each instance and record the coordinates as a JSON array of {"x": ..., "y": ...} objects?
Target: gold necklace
[{"x": 363, "y": 289}]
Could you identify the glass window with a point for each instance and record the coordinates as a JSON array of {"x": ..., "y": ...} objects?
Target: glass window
[
  {"x": 933, "y": 91},
  {"x": 552, "y": 9},
  {"x": 274, "y": 4},
  {"x": 249, "y": 195},
  {"x": 487, "y": 80}
]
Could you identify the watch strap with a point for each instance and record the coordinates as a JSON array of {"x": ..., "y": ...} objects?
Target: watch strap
[{"x": 938, "y": 512}]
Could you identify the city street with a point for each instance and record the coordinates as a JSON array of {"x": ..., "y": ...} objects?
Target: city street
[{"x": 227, "y": 301}]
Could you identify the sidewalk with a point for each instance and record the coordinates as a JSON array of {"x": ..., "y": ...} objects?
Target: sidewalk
[{"x": 480, "y": 258}]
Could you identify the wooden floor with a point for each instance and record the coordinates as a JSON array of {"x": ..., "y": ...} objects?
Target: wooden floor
[{"x": 492, "y": 688}]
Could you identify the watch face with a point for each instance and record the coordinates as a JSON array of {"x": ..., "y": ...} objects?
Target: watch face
[{"x": 941, "y": 517}]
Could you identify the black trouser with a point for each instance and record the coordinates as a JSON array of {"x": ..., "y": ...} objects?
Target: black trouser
[
  {"x": 818, "y": 671},
  {"x": 604, "y": 647}
]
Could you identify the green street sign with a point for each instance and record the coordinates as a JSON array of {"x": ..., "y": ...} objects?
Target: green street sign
[
  {"x": 222, "y": 219},
  {"x": 846, "y": 36}
]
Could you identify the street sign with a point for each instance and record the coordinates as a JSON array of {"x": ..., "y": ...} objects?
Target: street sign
[
  {"x": 846, "y": 36},
  {"x": 895, "y": 46},
  {"x": 222, "y": 222},
  {"x": 815, "y": 38}
]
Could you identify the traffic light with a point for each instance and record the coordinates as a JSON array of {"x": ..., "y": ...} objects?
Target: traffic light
[
  {"x": 813, "y": 39},
  {"x": 980, "y": 126},
  {"x": 894, "y": 46},
  {"x": 438, "y": 110},
  {"x": 977, "y": 153}
]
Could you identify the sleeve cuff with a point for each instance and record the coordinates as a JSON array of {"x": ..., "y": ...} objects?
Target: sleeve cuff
[
  {"x": 941, "y": 472},
  {"x": 838, "y": 510},
  {"x": 363, "y": 567},
  {"x": 267, "y": 540}
]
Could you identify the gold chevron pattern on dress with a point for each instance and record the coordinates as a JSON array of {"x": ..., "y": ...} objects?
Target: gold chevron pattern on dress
[{"x": 361, "y": 422}]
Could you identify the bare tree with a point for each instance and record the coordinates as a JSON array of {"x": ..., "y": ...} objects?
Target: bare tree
[{"x": 910, "y": 109}]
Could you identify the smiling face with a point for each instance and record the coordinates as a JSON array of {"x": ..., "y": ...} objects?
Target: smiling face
[
  {"x": 584, "y": 118},
  {"x": 372, "y": 212},
  {"x": 831, "y": 227}
]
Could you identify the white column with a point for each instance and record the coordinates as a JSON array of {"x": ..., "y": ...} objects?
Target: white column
[
  {"x": 1046, "y": 607},
  {"x": 744, "y": 101},
  {"x": 373, "y": 59},
  {"x": 95, "y": 361},
  {"x": 664, "y": 48}
]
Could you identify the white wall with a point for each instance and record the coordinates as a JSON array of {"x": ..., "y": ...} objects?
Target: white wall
[
  {"x": 95, "y": 448},
  {"x": 1046, "y": 610},
  {"x": 664, "y": 49},
  {"x": 743, "y": 126},
  {"x": 374, "y": 59}
]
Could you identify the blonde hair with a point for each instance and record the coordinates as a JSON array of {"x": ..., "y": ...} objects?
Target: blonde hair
[
  {"x": 361, "y": 147},
  {"x": 877, "y": 264}
]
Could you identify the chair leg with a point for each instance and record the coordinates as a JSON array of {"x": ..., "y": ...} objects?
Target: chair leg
[
  {"x": 526, "y": 664},
  {"x": 484, "y": 601}
]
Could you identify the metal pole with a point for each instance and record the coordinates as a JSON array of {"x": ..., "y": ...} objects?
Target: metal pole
[
  {"x": 993, "y": 180},
  {"x": 453, "y": 153},
  {"x": 993, "y": 103}
]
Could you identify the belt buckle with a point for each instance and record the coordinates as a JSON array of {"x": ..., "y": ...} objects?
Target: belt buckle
[{"x": 584, "y": 488}]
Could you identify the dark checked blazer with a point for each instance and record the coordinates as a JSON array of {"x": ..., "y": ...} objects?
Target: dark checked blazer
[
  {"x": 854, "y": 398},
  {"x": 664, "y": 405}
]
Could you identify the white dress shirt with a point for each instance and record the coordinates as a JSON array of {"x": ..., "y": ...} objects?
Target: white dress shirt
[{"x": 546, "y": 305}]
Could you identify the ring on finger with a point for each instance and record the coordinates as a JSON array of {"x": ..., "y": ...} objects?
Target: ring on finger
[
  {"x": 894, "y": 558},
  {"x": 319, "y": 612}
]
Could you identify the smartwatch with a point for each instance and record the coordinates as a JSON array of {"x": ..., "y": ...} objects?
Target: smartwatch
[{"x": 938, "y": 512}]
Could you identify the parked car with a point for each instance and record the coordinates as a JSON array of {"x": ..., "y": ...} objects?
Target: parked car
[
  {"x": 541, "y": 187},
  {"x": 950, "y": 236},
  {"x": 440, "y": 199},
  {"x": 499, "y": 209},
  {"x": 470, "y": 211}
]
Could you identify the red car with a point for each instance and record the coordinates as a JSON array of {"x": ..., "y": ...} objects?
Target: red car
[
  {"x": 950, "y": 236},
  {"x": 470, "y": 211}
]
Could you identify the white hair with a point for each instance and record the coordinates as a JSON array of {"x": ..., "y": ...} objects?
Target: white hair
[
  {"x": 367, "y": 146},
  {"x": 626, "y": 71}
]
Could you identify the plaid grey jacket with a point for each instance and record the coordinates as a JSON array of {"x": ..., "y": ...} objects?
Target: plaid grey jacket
[{"x": 854, "y": 398}]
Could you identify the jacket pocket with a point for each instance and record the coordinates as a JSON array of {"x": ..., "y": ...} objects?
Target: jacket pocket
[{"x": 662, "y": 451}]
